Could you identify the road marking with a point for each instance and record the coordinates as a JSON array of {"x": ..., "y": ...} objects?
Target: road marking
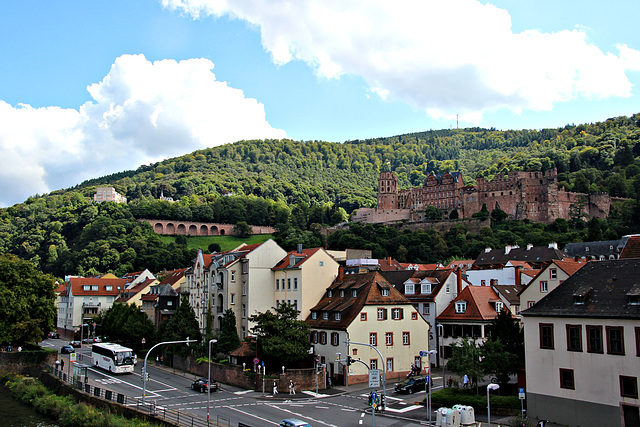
[
  {"x": 303, "y": 416},
  {"x": 360, "y": 422},
  {"x": 322, "y": 407},
  {"x": 251, "y": 415},
  {"x": 242, "y": 392}
]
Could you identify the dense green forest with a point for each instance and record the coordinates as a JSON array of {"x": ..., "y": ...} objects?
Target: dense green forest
[{"x": 300, "y": 186}]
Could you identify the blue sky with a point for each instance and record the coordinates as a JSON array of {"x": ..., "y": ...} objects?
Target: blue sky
[{"x": 91, "y": 88}]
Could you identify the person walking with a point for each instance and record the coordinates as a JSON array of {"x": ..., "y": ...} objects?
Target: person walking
[
  {"x": 275, "y": 388},
  {"x": 62, "y": 364},
  {"x": 465, "y": 381},
  {"x": 292, "y": 387},
  {"x": 57, "y": 364},
  {"x": 157, "y": 360}
]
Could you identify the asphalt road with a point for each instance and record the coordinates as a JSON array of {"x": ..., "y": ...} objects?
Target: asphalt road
[{"x": 171, "y": 389}]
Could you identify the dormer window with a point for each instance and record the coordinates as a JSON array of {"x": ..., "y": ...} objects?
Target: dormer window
[
  {"x": 108, "y": 288},
  {"x": 580, "y": 295},
  {"x": 329, "y": 293},
  {"x": 499, "y": 306},
  {"x": 409, "y": 289},
  {"x": 633, "y": 296},
  {"x": 461, "y": 307},
  {"x": 336, "y": 315},
  {"x": 425, "y": 288},
  {"x": 341, "y": 293},
  {"x": 385, "y": 292},
  {"x": 325, "y": 315},
  {"x": 354, "y": 293},
  {"x": 314, "y": 315}
]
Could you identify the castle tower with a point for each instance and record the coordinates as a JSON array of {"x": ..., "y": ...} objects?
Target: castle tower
[{"x": 387, "y": 191}]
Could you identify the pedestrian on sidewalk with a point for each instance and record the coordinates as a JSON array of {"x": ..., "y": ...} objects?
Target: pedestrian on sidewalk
[
  {"x": 465, "y": 381},
  {"x": 62, "y": 364},
  {"x": 275, "y": 388},
  {"x": 57, "y": 364},
  {"x": 157, "y": 360},
  {"x": 292, "y": 387}
]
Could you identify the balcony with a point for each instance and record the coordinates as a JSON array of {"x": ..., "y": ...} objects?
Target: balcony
[{"x": 219, "y": 309}]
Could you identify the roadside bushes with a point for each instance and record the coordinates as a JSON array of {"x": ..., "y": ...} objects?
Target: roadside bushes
[
  {"x": 450, "y": 396},
  {"x": 64, "y": 409}
]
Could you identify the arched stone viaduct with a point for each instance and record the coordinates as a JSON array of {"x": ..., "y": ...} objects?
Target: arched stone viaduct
[{"x": 188, "y": 228}]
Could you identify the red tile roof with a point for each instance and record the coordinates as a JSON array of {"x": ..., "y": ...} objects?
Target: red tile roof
[
  {"x": 478, "y": 300},
  {"x": 299, "y": 259},
  {"x": 631, "y": 248},
  {"x": 77, "y": 283}
]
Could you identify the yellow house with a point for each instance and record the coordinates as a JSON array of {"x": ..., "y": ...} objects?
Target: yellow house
[{"x": 365, "y": 310}]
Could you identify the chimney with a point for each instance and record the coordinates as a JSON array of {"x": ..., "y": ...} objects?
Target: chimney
[
  {"x": 518, "y": 278},
  {"x": 299, "y": 248},
  {"x": 529, "y": 246},
  {"x": 487, "y": 250},
  {"x": 459, "y": 280},
  {"x": 340, "y": 275},
  {"x": 553, "y": 245},
  {"x": 507, "y": 249}
]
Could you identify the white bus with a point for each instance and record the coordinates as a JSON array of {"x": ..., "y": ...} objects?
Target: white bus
[{"x": 113, "y": 357}]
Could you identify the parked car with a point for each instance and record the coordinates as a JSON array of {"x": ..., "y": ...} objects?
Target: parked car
[
  {"x": 294, "y": 422},
  {"x": 410, "y": 385},
  {"x": 201, "y": 385},
  {"x": 54, "y": 335},
  {"x": 67, "y": 349},
  {"x": 75, "y": 344}
]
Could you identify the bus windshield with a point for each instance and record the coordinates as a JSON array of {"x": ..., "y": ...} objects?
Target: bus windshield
[{"x": 124, "y": 358}]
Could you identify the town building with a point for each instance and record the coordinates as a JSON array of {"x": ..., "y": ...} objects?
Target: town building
[
  {"x": 582, "y": 348},
  {"x": 302, "y": 276},
  {"x": 366, "y": 309},
  {"x": 600, "y": 250},
  {"x": 108, "y": 194},
  {"x": 241, "y": 280},
  {"x": 522, "y": 195}
]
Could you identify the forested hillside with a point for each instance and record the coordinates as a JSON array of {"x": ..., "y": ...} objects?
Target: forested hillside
[{"x": 298, "y": 186}]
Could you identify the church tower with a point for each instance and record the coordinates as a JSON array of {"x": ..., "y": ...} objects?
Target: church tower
[{"x": 387, "y": 191}]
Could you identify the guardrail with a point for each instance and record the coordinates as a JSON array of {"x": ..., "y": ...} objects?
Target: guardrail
[{"x": 172, "y": 416}]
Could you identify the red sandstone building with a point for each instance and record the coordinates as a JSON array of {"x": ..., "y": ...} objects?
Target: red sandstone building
[{"x": 522, "y": 195}]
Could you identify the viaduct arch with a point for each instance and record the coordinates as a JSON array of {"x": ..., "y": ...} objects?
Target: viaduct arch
[{"x": 188, "y": 228}]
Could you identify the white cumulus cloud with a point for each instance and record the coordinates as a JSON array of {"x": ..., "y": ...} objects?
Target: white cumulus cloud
[
  {"x": 442, "y": 56},
  {"x": 141, "y": 112}
]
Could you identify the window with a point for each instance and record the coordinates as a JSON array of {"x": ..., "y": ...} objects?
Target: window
[
  {"x": 530, "y": 304},
  {"x": 388, "y": 338},
  {"x": 323, "y": 338},
  {"x": 295, "y": 283},
  {"x": 373, "y": 363},
  {"x": 382, "y": 314},
  {"x": 373, "y": 338},
  {"x": 232, "y": 298},
  {"x": 390, "y": 364},
  {"x": 414, "y": 316},
  {"x": 594, "y": 339},
  {"x": 615, "y": 340},
  {"x": 425, "y": 308},
  {"x": 406, "y": 338},
  {"x": 108, "y": 288},
  {"x": 546, "y": 336},
  {"x": 410, "y": 289},
  {"x": 574, "y": 338},
  {"x": 499, "y": 306},
  {"x": 329, "y": 293},
  {"x": 320, "y": 263},
  {"x": 314, "y": 337},
  {"x": 354, "y": 293},
  {"x": 289, "y": 283},
  {"x": 483, "y": 283},
  {"x": 334, "y": 339},
  {"x": 544, "y": 286},
  {"x": 336, "y": 315},
  {"x": 233, "y": 276},
  {"x": 325, "y": 315},
  {"x": 244, "y": 289},
  {"x": 94, "y": 287},
  {"x": 566, "y": 379},
  {"x": 553, "y": 273},
  {"x": 637, "y": 333},
  {"x": 363, "y": 316},
  {"x": 341, "y": 293},
  {"x": 385, "y": 292},
  {"x": 244, "y": 310},
  {"x": 628, "y": 387},
  {"x": 397, "y": 313},
  {"x": 425, "y": 288},
  {"x": 461, "y": 307},
  {"x": 295, "y": 304},
  {"x": 277, "y": 284},
  {"x": 448, "y": 288},
  {"x": 314, "y": 315}
]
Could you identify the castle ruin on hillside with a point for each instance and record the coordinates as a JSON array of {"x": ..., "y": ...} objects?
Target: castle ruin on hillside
[{"x": 522, "y": 195}]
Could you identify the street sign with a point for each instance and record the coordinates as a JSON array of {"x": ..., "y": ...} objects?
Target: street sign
[
  {"x": 263, "y": 363},
  {"x": 72, "y": 357},
  {"x": 374, "y": 378},
  {"x": 424, "y": 353},
  {"x": 521, "y": 393},
  {"x": 256, "y": 361},
  {"x": 426, "y": 378},
  {"x": 143, "y": 341},
  {"x": 426, "y": 370}
]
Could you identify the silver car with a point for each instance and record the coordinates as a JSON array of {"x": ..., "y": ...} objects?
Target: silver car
[{"x": 294, "y": 422}]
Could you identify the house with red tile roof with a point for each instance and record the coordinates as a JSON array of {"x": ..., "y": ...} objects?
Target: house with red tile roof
[
  {"x": 163, "y": 299},
  {"x": 84, "y": 298},
  {"x": 547, "y": 280},
  {"x": 469, "y": 315},
  {"x": 240, "y": 279},
  {"x": 302, "y": 276},
  {"x": 631, "y": 247},
  {"x": 137, "y": 277},
  {"x": 366, "y": 308},
  {"x": 133, "y": 294}
]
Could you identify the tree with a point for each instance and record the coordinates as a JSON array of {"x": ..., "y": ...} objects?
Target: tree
[
  {"x": 214, "y": 247},
  {"x": 281, "y": 336},
  {"x": 483, "y": 213},
  {"x": 184, "y": 324},
  {"x": 125, "y": 323},
  {"x": 498, "y": 215},
  {"x": 27, "y": 301},
  {"x": 504, "y": 350},
  {"x": 466, "y": 360},
  {"x": 432, "y": 213},
  {"x": 228, "y": 340},
  {"x": 242, "y": 229}
]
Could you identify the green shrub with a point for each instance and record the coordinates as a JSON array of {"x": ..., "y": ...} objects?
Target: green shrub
[{"x": 450, "y": 396}]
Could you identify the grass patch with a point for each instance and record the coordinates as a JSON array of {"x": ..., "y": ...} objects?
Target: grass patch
[{"x": 226, "y": 243}]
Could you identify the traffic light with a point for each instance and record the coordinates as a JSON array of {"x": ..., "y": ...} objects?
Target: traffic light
[
  {"x": 146, "y": 376},
  {"x": 349, "y": 360}
]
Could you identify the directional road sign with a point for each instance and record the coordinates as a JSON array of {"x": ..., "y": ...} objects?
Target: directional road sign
[{"x": 374, "y": 378}]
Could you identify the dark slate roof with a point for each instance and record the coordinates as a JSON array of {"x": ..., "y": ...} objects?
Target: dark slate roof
[
  {"x": 534, "y": 255},
  {"x": 593, "y": 249},
  {"x": 509, "y": 292},
  {"x": 605, "y": 287}
]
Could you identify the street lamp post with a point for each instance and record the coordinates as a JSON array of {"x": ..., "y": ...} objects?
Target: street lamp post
[
  {"x": 491, "y": 386},
  {"x": 384, "y": 374},
  {"x": 428, "y": 382},
  {"x": 144, "y": 365},
  {"x": 209, "y": 380},
  {"x": 440, "y": 329}
]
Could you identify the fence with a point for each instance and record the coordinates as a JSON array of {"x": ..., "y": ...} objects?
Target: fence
[{"x": 171, "y": 416}]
